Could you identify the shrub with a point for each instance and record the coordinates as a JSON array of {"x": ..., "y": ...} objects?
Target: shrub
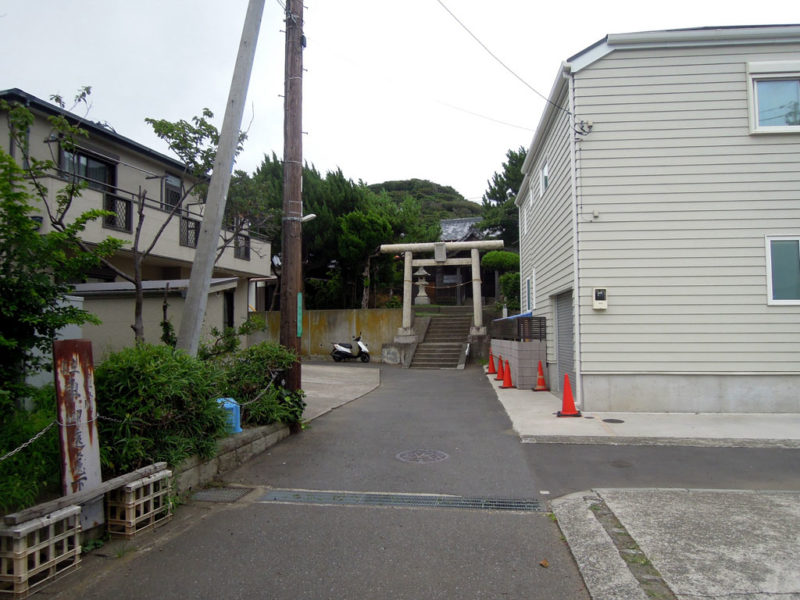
[
  {"x": 252, "y": 378},
  {"x": 502, "y": 260},
  {"x": 34, "y": 470},
  {"x": 160, "y": 404},
  {"x": 509, "y": 284}
]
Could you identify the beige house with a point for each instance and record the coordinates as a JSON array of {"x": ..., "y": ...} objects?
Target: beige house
[
  {"x": 117, "y": 171},
  {"x": 660, "y": 221}
]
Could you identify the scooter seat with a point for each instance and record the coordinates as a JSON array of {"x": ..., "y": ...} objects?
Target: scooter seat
[{"x": 346, "y": 345}]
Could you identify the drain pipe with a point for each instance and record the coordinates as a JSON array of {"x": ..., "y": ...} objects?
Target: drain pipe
[{"x": 566, "y": 73}]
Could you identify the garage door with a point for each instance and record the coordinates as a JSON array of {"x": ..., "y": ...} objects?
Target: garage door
[{"x": 565, "y": 341}]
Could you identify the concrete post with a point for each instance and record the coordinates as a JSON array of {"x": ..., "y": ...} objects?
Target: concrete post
[
  {"x": 477, "y": 304},
  {"x": 406, "y": 333}
]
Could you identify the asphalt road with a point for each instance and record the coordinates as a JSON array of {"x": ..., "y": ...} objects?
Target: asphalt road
[
  {"x": 565, "y": 468},
  {"x": 255, "y": 548}
]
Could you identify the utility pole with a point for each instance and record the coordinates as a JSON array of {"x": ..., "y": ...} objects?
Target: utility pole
[
  {"x": 292, "y": 243},
  {"x": 194, "y": 309}
]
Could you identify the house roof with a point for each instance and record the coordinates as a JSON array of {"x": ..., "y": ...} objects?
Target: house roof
[
  {"x": 96, "y": 130},
  {"x": 458, "y": 230},
  {"x": 700, "y": 36},
  {"x": 151, "y": 287}
]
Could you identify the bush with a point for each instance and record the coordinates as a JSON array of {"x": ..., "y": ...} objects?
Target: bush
[
  {"x": 35, "y": 470},
  {"x": 509, "y": 284},
  {"x": 502, "y": 260},
  {"x": 163, "y": 406},
  {"x": 252, "y": 378}
]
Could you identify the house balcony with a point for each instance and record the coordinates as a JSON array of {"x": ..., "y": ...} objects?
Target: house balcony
[{"x": 245, "y": 254}]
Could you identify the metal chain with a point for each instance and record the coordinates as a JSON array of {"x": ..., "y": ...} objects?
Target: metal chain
[{"x": 28, "y": 443}]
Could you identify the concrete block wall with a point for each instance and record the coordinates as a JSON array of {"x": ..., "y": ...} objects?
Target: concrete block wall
[
  {"x": 523, "y": 359},
  {"x": 232, "y": 452}
]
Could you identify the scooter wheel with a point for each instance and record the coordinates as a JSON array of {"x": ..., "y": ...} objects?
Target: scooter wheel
[
  {"x": 365, "y": 358},
  {"x": 337, "y": 358}
]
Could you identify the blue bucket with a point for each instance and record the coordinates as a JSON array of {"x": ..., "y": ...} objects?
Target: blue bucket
[{"x": 232, "y": 412}]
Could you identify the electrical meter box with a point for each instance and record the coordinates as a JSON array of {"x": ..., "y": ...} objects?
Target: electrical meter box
[{"x": 599, "y": 298}]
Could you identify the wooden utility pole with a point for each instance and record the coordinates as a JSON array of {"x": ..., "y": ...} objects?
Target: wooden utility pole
[
  {"x": 292, "y": 243},
  {"x": 194, "y": 309}
]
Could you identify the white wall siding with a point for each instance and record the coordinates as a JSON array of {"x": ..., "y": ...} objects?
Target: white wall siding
[
  {"x": 549, "y": 246},
  {"x": 684, "y": 198}
]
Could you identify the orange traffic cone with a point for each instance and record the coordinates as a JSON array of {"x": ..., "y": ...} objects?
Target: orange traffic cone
[
  {"x": 541, "y": 386},
  {"x": 568, "y": 404},
  {"x": 507, "y": 378},
  {"x": 492, "y": 370},
  {"x": 499, "y": 368}
]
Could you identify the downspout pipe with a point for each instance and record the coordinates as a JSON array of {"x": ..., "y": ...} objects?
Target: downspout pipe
[{"x": 566, "y": 73}]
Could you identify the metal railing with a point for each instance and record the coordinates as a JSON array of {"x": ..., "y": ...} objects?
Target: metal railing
[{"x": 520, "y": 329}]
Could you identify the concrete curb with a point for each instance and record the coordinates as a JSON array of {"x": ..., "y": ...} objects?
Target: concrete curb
[
  {"x": 660, "y": 441},
  {"x": 605, "y": 574}
]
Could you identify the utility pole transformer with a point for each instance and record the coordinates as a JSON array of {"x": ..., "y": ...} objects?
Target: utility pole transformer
[
  {"x": 292, "y": 243},
  {"x": 194, "y": 309}
]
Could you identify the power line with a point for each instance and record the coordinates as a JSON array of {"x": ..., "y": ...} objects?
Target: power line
[
  {"x": 494, "y": 56},
  {"x": 474, "y": 114}
]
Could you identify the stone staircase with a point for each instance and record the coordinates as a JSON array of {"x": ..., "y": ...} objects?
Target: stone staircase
[{"x": 445, "y": 342}]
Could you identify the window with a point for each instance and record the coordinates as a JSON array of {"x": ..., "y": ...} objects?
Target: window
[
  {"x": 99, "y": 174},
  {"x": 123, "y": 213},
  {"x": 241, "y": 247},
  {"x": 783, "y": 270},
  {"x": 527, "y": 293},
  {"x": 173, "y": 191},
  {"x": 190, "y": 230},
  {"x": 774, "y": 97},
  {"x": 524, "y": 218},
  {"x": 544, "y": 178}
]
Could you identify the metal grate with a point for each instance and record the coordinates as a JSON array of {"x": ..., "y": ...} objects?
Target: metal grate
[
  {"x": 400, "y": 500},
  {"x": 221, "y": 494},
  {"x": 523, "y": 329}
]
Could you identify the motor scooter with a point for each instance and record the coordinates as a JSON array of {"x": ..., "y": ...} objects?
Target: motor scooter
[{"x": 342, "y": 351}]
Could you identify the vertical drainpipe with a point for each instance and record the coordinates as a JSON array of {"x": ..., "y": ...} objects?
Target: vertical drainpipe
[{"x": 566, "y": 72}]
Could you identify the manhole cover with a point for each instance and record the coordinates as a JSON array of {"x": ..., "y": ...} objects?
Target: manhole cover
[
  {"x": 613, "y": 421},
  {"x": 221, "y": 494},
  {"x": 422, "y": 456}
]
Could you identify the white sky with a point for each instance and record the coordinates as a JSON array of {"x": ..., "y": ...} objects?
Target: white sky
[{"x": 394, "y": 89}]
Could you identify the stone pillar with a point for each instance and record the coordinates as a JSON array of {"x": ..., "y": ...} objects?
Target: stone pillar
[
  {"x": 477, "y": 304},
  {"x": 406, "y": 333}
]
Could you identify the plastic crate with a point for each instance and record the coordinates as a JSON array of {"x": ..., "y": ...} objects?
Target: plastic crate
[
  {"x": 37, "y": 552},
  {"x": 139, "y": 506}
]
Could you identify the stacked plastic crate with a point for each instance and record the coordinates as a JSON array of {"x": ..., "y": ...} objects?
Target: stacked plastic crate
[
  {"x": 139, "y": 506},
  {"x": 36, "y": 552}
]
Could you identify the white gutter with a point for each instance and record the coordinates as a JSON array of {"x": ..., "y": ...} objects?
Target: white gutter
[{"x": 576, "y": 281}]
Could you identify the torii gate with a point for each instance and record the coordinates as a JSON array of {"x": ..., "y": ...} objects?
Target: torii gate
[{"x": 406, "y": 333}]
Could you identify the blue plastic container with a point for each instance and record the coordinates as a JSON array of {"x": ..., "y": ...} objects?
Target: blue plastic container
[{"x": 232, "y": 412}]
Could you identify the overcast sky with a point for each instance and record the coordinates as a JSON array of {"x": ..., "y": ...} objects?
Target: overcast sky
[{"x": 393, "y": 89}]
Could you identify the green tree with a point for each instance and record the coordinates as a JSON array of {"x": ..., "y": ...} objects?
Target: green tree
[
  {"x": 36, "y": 270},
  {"x": 500, "y": 214}
]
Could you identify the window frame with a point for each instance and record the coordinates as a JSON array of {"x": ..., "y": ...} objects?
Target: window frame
[
  {"x": 167, "y": 187},
  {"x": 544, "y": 178},
  {"x": 78, "y": 152},
  {"x": 769, "y": 71},
  {"x": 771, "y": 300}
]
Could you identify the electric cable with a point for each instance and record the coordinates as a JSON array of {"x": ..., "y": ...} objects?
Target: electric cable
[{"x": 504, "y": 65}]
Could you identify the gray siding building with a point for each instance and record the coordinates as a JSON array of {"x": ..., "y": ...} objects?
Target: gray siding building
[{"x": 666, "y": 171}]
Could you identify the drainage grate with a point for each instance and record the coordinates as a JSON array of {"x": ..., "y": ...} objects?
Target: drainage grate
[
  {"x": 221, "y": 494},
  {"x": 400, "y": 500}
]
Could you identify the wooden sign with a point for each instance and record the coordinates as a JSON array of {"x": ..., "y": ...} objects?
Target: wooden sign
[{"x": 77, "y": 420}]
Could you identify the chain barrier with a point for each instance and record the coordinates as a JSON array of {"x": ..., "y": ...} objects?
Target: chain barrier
[
  {"x": 112, "y": 420},
  {"x": 28, "y": 443}
]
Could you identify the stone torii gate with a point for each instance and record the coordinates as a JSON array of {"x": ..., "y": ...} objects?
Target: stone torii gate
[{"x": 406, "y": 333}]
